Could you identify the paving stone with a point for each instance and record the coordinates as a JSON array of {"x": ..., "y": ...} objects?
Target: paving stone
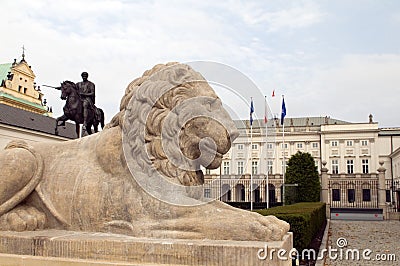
[{"x": 381, "y": 237}]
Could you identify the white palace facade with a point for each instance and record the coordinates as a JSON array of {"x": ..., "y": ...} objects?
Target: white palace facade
[{"x": 351, "y": 152}]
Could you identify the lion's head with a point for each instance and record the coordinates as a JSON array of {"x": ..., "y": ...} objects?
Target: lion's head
[{"x": 173, "y": 112}]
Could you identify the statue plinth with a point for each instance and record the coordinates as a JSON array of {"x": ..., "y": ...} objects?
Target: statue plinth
[{"x": 60, "y": 247}]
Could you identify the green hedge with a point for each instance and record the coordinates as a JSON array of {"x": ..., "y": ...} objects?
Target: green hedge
[{"x": 305, "y": 219}]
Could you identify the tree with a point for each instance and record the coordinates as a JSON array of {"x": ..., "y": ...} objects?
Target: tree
[{"x": 302, "y": 171}]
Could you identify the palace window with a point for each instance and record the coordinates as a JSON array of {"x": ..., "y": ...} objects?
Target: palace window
[
  {"x": 284, "y": 166},
  {"x": 254, "y": 167},
  {"x": 315, "y": 145},
  {"x": 388, "y": 197},
  {"x": 365, "y": 166},
  {"x": 240, "y": 168},
  {"x": 269, "y": 146},
  {"x": 254, "y": 146},
  {"x": 226, "y": 168},
  {"x": 351, "y": 195},
  {"x": 335, "y": 167},
  {"x": 350, "y": 166},
  {"x": 335, "y": 194},
  {"x": 270, "y": 166},
  {"x": 334, "y": 143},
  {"x": 299, "y": 145},
  {"x": 284, "y": 145},
  {"x": 240, "y": 146},
  {"x": 364, "y": 143},
  {"x": 366, "y": 194},
  {"x": 349, "y": 143}
]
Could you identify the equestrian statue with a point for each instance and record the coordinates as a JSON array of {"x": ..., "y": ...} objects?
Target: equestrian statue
[{"x": 80, "y": 106}]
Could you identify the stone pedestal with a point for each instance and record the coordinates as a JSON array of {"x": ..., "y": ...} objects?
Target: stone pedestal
[
  {"x": 55, "y": 247},
  {"x": 325, "y": 188},
  {"x": 382, "y": 190}
]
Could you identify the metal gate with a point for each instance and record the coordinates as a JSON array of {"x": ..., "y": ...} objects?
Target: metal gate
[
  {"x": 353, "y": 193},
  {"x": 354, "y": 199}
]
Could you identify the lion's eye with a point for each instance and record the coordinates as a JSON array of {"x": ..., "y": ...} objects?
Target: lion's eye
[
  {"x": 212, "y": 104},
  {"x": 209, "y": 106},
  {"x": 215, "y": 104}
]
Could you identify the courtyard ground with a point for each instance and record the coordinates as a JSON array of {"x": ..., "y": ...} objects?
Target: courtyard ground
[{"x": 375, "y": 242}]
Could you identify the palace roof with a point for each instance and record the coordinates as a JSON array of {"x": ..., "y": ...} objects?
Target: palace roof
[{"x": 16, "y": 117}]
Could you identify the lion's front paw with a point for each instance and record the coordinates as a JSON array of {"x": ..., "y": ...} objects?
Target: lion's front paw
[
  {"x": 217, "y": 221},
  {"x": 275, "y": 227},
  {"x": 23, "y": 218},
  {"x": 246, "y": 225}
]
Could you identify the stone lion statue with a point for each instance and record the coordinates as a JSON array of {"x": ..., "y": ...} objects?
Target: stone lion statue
[{"x": 140, "y": 176}]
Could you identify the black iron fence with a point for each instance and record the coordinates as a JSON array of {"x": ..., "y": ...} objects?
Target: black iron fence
[
  {"x": 238, "y": 191},
  {"x": 353, "y": 193},
  {"x": 342, "y": 193},
  {"x": 256, "y": 205},
  {"x": 393, "y": 195}
]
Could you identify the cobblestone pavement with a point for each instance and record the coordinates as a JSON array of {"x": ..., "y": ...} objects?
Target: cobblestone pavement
[{"x": 381, "y": 237}]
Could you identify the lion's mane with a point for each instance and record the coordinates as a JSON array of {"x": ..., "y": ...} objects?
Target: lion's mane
[{"x": 147, "y": 101}]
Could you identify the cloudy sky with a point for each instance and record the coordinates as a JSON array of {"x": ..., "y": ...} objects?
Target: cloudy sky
[{"x": 329, "y": 58}]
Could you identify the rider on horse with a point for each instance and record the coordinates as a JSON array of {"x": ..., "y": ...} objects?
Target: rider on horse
[
  {"x": 86, "y": 90},
  {"x": 79, "y": 106}
]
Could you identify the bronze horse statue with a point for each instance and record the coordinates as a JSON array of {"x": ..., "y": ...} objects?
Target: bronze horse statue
[{"x": 73, "y": 110}]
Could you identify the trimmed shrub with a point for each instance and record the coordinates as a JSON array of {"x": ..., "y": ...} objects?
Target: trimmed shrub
[
  {"x": 305, "y": 219},
  {"x": 302, "y": 171}
]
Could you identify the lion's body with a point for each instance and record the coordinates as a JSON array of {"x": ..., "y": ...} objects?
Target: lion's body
[
  {"x": 81, "y": 195},
  {"x": 87, "y": 184}
]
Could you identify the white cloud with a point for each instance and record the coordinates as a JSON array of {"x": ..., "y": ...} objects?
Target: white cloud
[
  {"x": 301, "y": 14},
  {"x": 115, "y": 41},
  {"x": 396, "y": 17},
  {"x": 358, "y": 86}
]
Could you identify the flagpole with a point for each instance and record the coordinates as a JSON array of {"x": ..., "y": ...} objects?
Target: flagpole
[
  {"x": 251, "y": 166},
  {"x": 251, "y": 153},
  {"x": 266, "y": 148},
  {"x": 284, "y": 160},
  {"x": 284, "y": 165}
]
